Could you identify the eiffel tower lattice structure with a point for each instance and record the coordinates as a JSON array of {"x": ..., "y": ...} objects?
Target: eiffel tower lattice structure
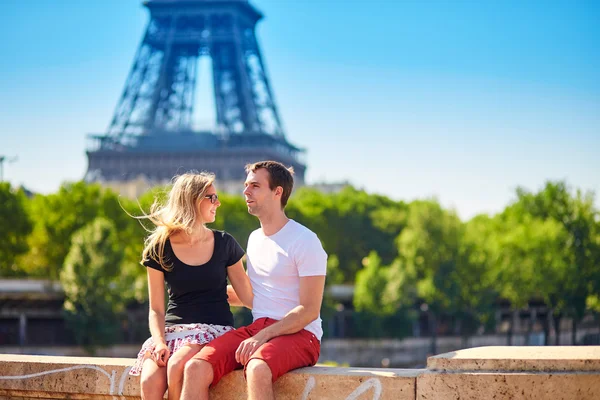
[{"x": 152, "y": 136}]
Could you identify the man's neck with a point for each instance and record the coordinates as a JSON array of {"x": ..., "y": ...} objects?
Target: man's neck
[{"x": 273, "y": 223}]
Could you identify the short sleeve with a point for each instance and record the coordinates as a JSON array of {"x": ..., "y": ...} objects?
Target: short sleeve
[
  {"x": 233, "y": 250},
  {"x": 310, "y": 257},
  {"x": 150, "y": 263}
]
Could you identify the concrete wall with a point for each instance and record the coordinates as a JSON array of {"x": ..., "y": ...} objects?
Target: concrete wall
[
  {"x": 51, "y": 377},
  {"x": 551, "y": 373}
]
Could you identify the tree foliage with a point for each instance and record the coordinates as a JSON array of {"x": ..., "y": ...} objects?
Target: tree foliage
[
  {"x": 90, "y": 279},
  {"x": 58, "y": 216},
  {"x": 15, "y": 226},
  {"x": 429, "y": 249},
  {"x": 545, "y": 245},
  {"x": 571, "y": 265},
  {"x": 351, "y": 224}
]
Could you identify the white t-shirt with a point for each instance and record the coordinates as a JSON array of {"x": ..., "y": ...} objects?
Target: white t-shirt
[{"x": 275, "y": 265}]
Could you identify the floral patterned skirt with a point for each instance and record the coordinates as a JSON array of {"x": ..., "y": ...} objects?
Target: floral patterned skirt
[{"x": 178, "y": 336}]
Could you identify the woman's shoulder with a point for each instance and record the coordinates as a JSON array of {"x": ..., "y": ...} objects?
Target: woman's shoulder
[
  {"x": 225, "y": 236},
  {"x": 222, "y": 234},
  {"x": 153, "y": 258}
]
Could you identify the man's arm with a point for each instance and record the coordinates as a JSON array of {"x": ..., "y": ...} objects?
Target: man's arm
[{"x": 311, "y": 297}]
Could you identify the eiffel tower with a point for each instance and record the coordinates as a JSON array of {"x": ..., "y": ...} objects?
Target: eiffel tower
[{"x": 152, "y": 137}]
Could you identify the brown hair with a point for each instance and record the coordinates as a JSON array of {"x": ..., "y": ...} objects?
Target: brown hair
[{"x": 279, "y": 175}]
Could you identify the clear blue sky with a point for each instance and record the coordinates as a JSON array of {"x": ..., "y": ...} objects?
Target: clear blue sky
[{"x": 462, "y": 100}]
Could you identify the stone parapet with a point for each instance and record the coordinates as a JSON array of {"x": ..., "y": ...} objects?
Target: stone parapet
[
  {"x": 482, "y": 373},
  {"x": 519, "y": 358},
  {"x": 49, "y": 377},
  {"x": 520, "y": 372}
]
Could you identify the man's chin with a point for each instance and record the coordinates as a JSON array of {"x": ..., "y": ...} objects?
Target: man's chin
[{"x": 251, "y": 210}]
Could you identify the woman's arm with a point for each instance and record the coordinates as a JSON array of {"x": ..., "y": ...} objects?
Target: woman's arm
[
  {"x": 241, "y": 285},
  {"x": 156, "y": 315},
  {"x": 232, "y": 297}
]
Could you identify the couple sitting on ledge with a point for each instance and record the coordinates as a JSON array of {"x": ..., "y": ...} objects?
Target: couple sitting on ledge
[{"x": 194, "y": 345}]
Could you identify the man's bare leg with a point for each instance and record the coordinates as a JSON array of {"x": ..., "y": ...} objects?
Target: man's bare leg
[
  {"x": 197, "y": 377},
  {"x": 259, "y": 379}
]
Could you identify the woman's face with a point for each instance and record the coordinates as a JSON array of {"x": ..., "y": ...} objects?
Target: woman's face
[{"x": 209, "y": 205}]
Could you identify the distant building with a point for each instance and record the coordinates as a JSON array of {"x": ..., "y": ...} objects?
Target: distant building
[
  {"x": 329, "y": 187},
  {"x": 31, "y": 312}
]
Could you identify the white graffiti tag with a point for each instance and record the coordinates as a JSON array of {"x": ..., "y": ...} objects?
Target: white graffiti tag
[
  {"x": 111, "y": 377},
  {"x": 310, "y": 384},
  {"x": 364, "y": 387}
]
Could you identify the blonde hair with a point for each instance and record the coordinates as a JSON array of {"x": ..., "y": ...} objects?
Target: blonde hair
[{"x": 180, "y": 213}]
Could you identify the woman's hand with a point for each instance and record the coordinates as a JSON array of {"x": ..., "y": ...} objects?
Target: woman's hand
[{"x": 161, "y": 354}]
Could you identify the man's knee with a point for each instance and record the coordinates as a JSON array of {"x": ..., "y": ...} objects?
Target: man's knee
[
  {"x": 258, "y": 370},
  {"x": 199, "y": 371}
]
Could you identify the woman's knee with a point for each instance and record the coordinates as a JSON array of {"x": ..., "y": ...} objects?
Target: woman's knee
[
  {"x": 153, "y": 384},
  {"x": 199, "y": 371},
  {"x": 175, "y": 368}
]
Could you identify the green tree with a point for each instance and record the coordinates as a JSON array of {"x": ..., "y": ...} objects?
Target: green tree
[
  {"x": 132, "y": 233},
  {"x": 476, "y": 275},
  {"x": 90, "y": 279},
  {"x": 429, "y": 248},
  {"x": 57, "y": 216},
  {"x": 383, "y": 300},
  {"x": 370, "y": 285},
  {"x": 580, "y": 220},
  {"x": 15, "y": 226},
  {"x": 315, "y": 209},
  {"x": 351, "y": 224},
  {"x": 531, "y": 260}
]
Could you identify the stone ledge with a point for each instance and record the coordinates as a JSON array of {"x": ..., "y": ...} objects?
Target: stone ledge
[
  {"x": 537, "y": 373},
  {"x": 519, "y": 358},
  {"x": 51, "y": 377},
  {"x": 514, "y": 385}
]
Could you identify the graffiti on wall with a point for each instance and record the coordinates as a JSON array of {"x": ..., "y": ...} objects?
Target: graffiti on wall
[
  {"x": 111, "y": 376},
  {"x": 373, "y": 383},
  {"x": 370, "y": 384}
]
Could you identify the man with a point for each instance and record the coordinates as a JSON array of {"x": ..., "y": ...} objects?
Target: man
[{"x": 287, "y": 266}]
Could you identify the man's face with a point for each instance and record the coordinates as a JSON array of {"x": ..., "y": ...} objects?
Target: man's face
[{"x": 260, "y": 199}]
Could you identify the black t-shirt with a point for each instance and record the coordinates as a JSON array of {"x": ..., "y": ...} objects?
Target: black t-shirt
[{"x": 198, "y": 294}]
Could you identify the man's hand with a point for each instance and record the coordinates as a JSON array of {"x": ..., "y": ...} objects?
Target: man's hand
[{"x": 249, "y": 346}]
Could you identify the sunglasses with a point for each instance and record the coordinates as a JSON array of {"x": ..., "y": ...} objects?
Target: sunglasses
[{"x": 213, "y": 198}]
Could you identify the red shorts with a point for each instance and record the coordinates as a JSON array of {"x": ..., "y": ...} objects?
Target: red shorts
[{"x": 282, "y": 353}]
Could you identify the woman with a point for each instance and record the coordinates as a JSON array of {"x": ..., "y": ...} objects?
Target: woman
[{"x": 195, "y": 263}]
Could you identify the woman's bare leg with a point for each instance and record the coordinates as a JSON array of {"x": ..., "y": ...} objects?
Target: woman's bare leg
[
  {"x": 175, "y": 368},
  {"x": 153, "y": 381}
]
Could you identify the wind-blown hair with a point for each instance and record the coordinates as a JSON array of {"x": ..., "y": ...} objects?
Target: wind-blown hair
[{"x": 180, "y": 213}]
